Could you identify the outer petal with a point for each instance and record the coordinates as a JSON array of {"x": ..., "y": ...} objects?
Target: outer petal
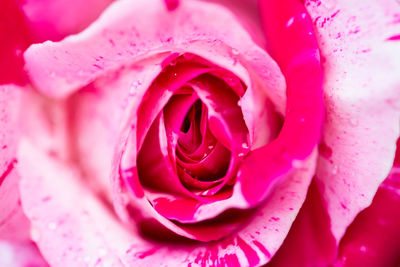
[
  {"x": 55, "y": 19},
  {"x": 246, "y": 12},
  {"x": 310, "y": 241},
  {"x": 59, "y": 69},
  {"x": 362, "y": 94},
  {"x": 13, "y": 223},
  {"x": 83, "y": 231},
  {"x": 380, "y": 247}
]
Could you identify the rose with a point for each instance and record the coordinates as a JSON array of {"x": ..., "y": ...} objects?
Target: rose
[
  {"x": 92, "y": 214},
  {"x": 190, "y": 74}
]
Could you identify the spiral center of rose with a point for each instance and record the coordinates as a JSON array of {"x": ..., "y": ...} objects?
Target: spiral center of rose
[{"x": 193, "y": 135}]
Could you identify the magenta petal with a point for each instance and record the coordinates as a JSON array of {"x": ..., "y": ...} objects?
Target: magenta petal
[
  {"x": 311, "y": 229},
  {"x": 225, "y": 116},
  {"x": 160, "y": 92},
  {"x": 58, "y": 69},
  {"x": 194, "y": 184},
  {"x": 212, "y": 166},
  {"x": 15, "y": 37},
  {"x": 380, "y": 247},
  {"x": 156, "y": 171},
  {"x": 304, "y": 112}
]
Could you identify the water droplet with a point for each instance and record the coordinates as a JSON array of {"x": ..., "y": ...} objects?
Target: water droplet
[
  {"x": 303, "y": 16},
  {"x": 35, "y": 234},
  {"x": 289, "y": 22},
  {"x": 230, "y": 81},
  {"x": 354, "y": 121},
  {"x": 245, "y": 145},
  {"x": 235, "y": 51},
  {"x": 241, "y": 154},
  {"x": 52, "y": 226},
  {"x": 297, "y": 163},
  {"x": 102, "y": 252},
  {"x": 335, "y": 169},
  {"x": 173, "y": 62},
  {"x": 239, "y": 103},
  {"x": 18, "y": 52},
  {"x": 210, "y": 147},
  {"x": 133, "y": 89},
  {"x": 175, "y": 74}
]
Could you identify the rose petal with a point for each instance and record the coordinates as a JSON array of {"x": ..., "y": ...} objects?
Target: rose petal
[
  {"x": 381, "y": 220},
  {"x": 14, "y": 39},
  {"x": 301, "y": 130},
  {"x": 311, "y": 229},
  {"x": 13, "y": 223},
  {"x": 81, "y": 231},
  {"x": 58, "y": 73},
  {"x": 362, "y": 99}
]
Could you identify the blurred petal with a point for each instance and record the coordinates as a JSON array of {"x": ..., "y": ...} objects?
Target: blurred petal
[
  {"x": 55, "y": 19},
  {"x": 14, "y": 39}
]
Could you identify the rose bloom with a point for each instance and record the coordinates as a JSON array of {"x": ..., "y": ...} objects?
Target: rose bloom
[{"x": 199, "y": 133}]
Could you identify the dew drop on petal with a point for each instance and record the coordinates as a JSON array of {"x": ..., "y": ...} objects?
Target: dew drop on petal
[
  {"x": 102, "y": 252},
  {"x": 289, "y": 22},
  {"x": 35, "y": 234},
  {"x": 235, "y": 51},
  {"x": 335, "y": 169},
  {"x": 354, "y": 121},
  {"x": 52, "y": 226},
  {"x": 297, "y": 163}
]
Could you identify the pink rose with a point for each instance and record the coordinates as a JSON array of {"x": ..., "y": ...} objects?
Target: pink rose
[{"x": 167, "y": 135}]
